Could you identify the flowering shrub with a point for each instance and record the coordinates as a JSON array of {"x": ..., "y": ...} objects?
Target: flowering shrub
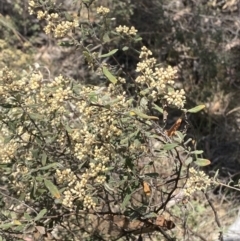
[{"x": 95, "y": 161}]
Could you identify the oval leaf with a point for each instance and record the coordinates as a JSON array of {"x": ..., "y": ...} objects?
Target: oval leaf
[
  {"x": 108, "y": 74},
  {"x": 52, "y": 165},
  {"x": 152, "y": 174},
  {"x": 126, "y": 201},
  {"x": 170, "y": 146},
  {"x": 106, "y": 37},
  {"x": 35, "y": 116},
  {"x": 6, "y": 225},
  {"x": 142, "y": 115},
  {"x": 19, "y": 228},
  {"x": 196, "y": 109},
  {"x": 109, "y": 54},
  {"x": 125, "y": 48},
  {"x": 44, "y": 158},
  {"x": 150, "y": 215},
  {"x": 159, "y": 109},
  {"x": 197, "y": 152},
  {"x": 27, "y": 217},
  {"x": 202, "y": 162},
  {"x": 52, "y": 188},
  {"x": 41, "y": 214},
  {"x": 137, "y": 39}
]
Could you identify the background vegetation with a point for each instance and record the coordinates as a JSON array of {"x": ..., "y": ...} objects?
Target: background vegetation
[{"x": 74, "y": 120}]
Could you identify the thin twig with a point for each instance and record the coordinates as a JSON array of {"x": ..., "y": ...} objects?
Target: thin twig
[
  {"x": 23, "y": 203},
  {"x": 197, "y": 235},
  {"x": 216, "y": 217}
]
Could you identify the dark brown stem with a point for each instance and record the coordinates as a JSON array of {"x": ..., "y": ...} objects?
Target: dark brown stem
[{"x": 216, "y": 216}]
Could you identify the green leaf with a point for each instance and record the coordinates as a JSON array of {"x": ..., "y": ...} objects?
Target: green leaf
[
  {"x": 87, "y": 56},
  {"x": 187, "y": 141},
  {"x": 6, "y": 225},
  {"x": 216, "y": 175},
  {"x": 137, "y": 143},
  {"x": 159, "y": 109},
  {"x": 152, "y": 174},
  {"x": 33, "y": 190},
  {"x": 8, "y": 106},
  {"x": 137, "y": 39},
  {"x": 55, "y": 164},
  {"x": 179, "y": 136},
  {"x": 109, "y": 54},
  {"x": 108, "y": 74},
  {"x": 170, "y": 146},
  {"x": 36, "y": 116},
  {"x": 52, "y": 188},
  {"x": 196, "y": 109},
  {"x": 145, "y": 91},
  {"x": 68, "y": 17},
  {"x": 27, "y": 217},
  {"x": 142, "y": 115},
  {"x": 51, "y": 139},
  {"x": 132, "y": 136},
  {"x": 20, "y": 228},
  {"x": 35, "y": 153},
  {"x": 125, "y": 48},
  {"x": 126, "y": 200},
  {"x": 202, "y": 162},
  {"x": 39, "y": 179},
  {"x": 44, "y": 158},
  {"x": 197, "y": 152},
  {"x": 150, "y": 215},
  {"x": 40, "y": 191},
  {"x": 18, "y": 98},
  {"x": 68, "y": 128},
  {"x": 41, "y": 214},
  {"x": 106, "y": 38},
  {"x": 65, "y": 43},
  {"x": 8, "y": 139}
]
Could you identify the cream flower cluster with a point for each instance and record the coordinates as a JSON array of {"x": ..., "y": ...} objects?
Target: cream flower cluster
[
  {"x": 31, "y": 5},
  {"x": 44, "y": 97},
  {"x": 64, "y": 27},
  {"x": 88, "y": 202},
  {"x": 7, "y": 82},
  {"x": 87, "y": 137},
  {"x": 126, "y": 30},
  {"x": 103, "y": 11},
  {"x": 176, "y": 97},
  {"x": 158, "y": 80},
  {"x": 16, "y": 179},
  {"x": 40, "y": 96},
  {"x": 87, "y": 133},
  {"x": 65, "y": 176},
  {"x": 7, "y": 151},
  {"x": 76, "y": 189},
  {"x": 53, "y": 94},
  {"x": 55, "y": 24},
  {"x": 198, "y": 181}
]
